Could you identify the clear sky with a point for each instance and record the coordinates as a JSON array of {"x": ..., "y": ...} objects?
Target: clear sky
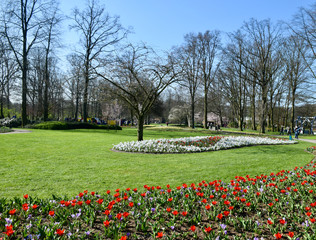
[{"x": 163, "y": 23}]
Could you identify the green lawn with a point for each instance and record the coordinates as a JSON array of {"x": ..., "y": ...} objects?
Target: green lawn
[
  {"x": 307, "y": 137},
  {"x": 47, "y": 162}
]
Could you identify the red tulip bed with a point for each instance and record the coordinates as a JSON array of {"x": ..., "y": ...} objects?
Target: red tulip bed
[{"x": 274, "y": 206}]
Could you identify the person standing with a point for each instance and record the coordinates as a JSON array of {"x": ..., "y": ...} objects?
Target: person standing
[
  {"x": 282, "y": 131},
  {"x": 290, "y": 134}
]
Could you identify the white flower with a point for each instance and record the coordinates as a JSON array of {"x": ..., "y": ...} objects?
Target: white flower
[{"x": 195, "y": 144}]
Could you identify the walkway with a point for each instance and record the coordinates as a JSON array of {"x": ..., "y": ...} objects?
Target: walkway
[
  {"x": 17, "y": 131},
  {"x": 308, "y": 140}
]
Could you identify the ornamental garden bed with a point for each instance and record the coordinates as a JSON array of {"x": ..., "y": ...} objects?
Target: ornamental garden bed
[
  {"x": 196, "y": 144},
  {"x": 274, "y": 206}
]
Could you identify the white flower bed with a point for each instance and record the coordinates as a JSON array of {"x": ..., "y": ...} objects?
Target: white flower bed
[{"x": 195, "y": 144}]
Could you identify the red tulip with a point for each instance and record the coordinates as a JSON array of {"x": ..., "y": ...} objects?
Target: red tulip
[
  {"x": 278, "y": 235},
  {"x": 106, "y": 223},
  {"x": 12, "y": 212},
  {"x": 60, "y": 232},
  {"x": 291, "y": 234},
  {"x": 159, "y": 235}
]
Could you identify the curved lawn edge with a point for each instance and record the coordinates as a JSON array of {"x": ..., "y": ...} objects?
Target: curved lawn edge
[{"x": 196, "y": 144}]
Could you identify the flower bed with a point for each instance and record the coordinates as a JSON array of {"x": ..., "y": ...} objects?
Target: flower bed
[
  {"x": 276, "y": 206},
  {"x": 195, "y": 144},
  {"x": 311, "y": 149}
]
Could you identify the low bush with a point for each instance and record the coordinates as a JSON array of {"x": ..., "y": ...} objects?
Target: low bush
[
  {"x": 10, "y": 123},
  {"x": 54, "y": 125},
  {"x": 5, "y": 130}
]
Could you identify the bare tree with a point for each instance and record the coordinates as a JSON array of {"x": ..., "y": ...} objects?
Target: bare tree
[
  {"x": 296, "y": 66},
  {"x": 8, "y": 74},
  {"x": 234, "y": 76},
  {"x": 23, "y": 23},
  {"x": 138, "y": 79},
  {"x": 75, "y": 83},
  {"x": 263, "y": 41},
  {"x": 189, "y": 62},
  {"x": 304, "y": 26},
  {"x": 53, "y": 19},
  {"x": 99, "y": 33},
  {"x": 208, "y": 45}
]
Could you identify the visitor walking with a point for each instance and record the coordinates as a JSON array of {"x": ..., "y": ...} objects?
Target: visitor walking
[
  {"x": 282, "y": 131},
  {"x": 297, "y": 132},
  {"x": 290, "y": 134}
]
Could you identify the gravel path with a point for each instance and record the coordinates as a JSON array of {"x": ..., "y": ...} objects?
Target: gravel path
[
  {"x": 308, "y": 140},
  {"x": 17, "y": 131}
]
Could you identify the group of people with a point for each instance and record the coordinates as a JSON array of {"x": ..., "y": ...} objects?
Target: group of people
[{"x": 297, "y": 131}]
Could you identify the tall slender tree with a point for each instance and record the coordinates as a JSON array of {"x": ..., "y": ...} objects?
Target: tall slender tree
[
  {"x": 296, "y": 68},
  {"x": 264, "y": 41},
  {"x": 99, "y": 33},
  {"x": 189, "y": 62},
  {"x": 53, "y": 19},
  {"x": 235, "y": 75},
  {"x": 23, "y": 22},
  {"x": 208, "y": 44},
  {"x": 304, "y": 27}
]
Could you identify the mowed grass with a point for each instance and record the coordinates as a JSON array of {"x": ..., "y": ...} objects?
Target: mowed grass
[
  {"x": 47, "y": 162},
  {"x": 313, "y": 137}
]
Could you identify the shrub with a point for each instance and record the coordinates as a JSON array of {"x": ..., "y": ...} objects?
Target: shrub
[
  {"x": 54, "y": 125},
  {"x": 5, "y": 130},
  {"x": 11, "y": 123}
]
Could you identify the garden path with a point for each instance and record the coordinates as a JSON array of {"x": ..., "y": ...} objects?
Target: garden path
[
  {"x": 17, "y": 131},
  {"x": 308, "y": 140}
]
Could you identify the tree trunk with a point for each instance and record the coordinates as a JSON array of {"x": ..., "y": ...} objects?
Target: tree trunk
[
  {"x": 253, "y": 106},
  {"x": 85, "y": 100},
  {"x": 24, "y": 79},
  {"x": 293, "y": 109},
  {"x": 140, "y": 128},
  {"x": 8, "y": 99},
  {"x": 192, "y": 112},
  {"x": 86, "y": 85},
  {"x": 1, "y": 104},
  {"x": 76, "y": 108},
  {"x": 240, "y": 122},
  {"x": 46, "y": 86},
  {"x": 24, "y": 86},
  {"x": 205, "y": 105},
  {"x": 263, "y": 111},
  {"x": 241, "y": 112}
]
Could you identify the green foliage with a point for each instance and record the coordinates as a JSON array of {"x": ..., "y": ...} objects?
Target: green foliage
[
  {"x": 5, "y": 129},
  {"x": 11, "y": 112},
  {"x": 233, "y": 124},
  {"x": 54, "y": 125},
  {"x": 11, "y": 123}
]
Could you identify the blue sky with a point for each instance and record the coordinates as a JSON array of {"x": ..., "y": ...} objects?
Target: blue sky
[{"x": 163, "y": 23}]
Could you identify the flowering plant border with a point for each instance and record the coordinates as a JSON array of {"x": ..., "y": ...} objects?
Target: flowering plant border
[
  {"x": 275, "y": 206},
  {"x": 311, "y": 149},
  {"x": 196, "y": 144}
]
